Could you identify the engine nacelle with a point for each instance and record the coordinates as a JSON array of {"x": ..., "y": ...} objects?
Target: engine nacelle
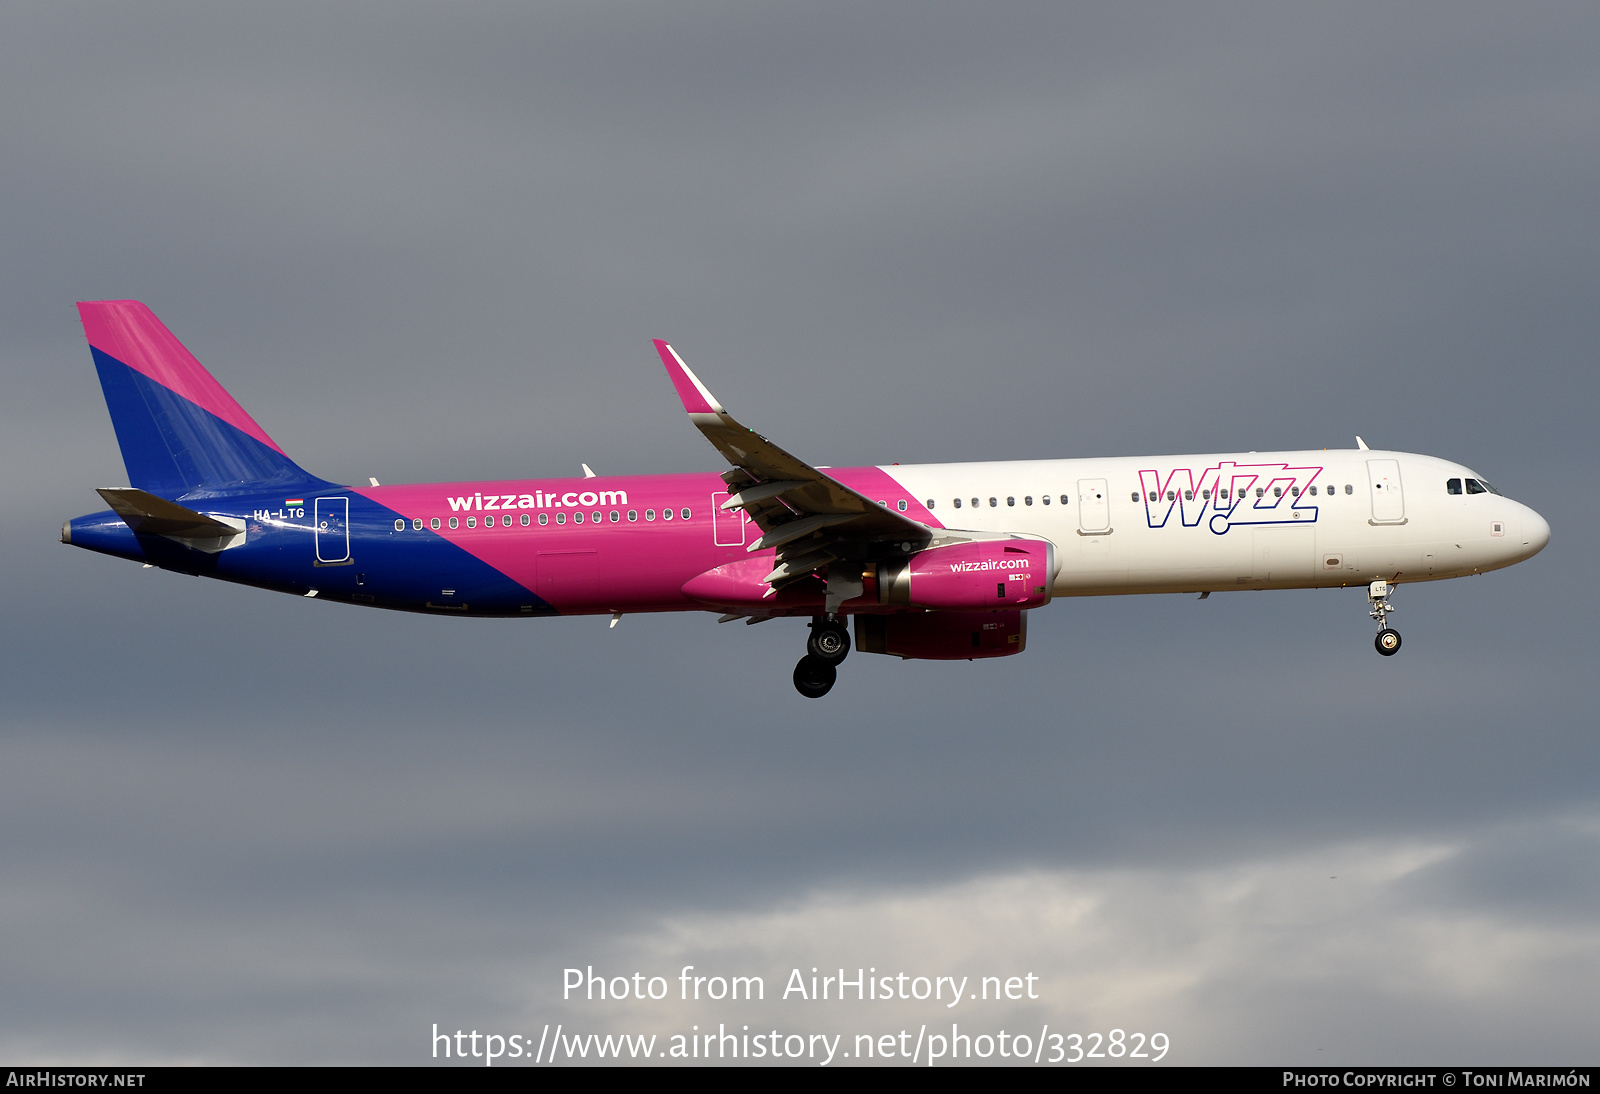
[
  {"x": 1003, "y": 573},
  {"x": 943, "y": 636}
]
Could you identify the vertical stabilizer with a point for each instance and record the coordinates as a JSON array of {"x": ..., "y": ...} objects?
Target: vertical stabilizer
[{"x": 179, "y": 431}]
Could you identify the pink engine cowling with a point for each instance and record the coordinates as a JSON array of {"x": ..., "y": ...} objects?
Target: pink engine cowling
[
  {"x": 943, "y": 636},
  {"x": 994, "y": 574}
]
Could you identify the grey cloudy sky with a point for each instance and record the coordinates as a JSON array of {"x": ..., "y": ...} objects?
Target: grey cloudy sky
[{"x": 433, "y": 242}]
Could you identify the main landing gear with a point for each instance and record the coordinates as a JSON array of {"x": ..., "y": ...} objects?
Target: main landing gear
[
  {"x": 1388, "y": 639},
  {"x": 828, "y": 644}
]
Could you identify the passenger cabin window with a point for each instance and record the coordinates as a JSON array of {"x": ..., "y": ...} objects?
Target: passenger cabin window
[
  {"x": 1045, "y": 499},
  {"x": 434, "y": 524},
  {"x": 1064, "y": 499},
  {"x": 930, "y": 503},
  {"x": 1028, "y": 500},
  {"x": 544, "y": 518},
  {"x": 1011, "y": 502},
  {"x": 974, "y": 503},
  {"x": 561, "y": 518},
  {"x": 455, "y": 523},
  {"x": 994, "y": 503},
  {"x": 685, "y": 514},
  {"x": 958, "y": 503},
  {"x": 1452, "y": 486},
  {"x": 649, "y": 514},
  {"x": 1348, "y": 489}
]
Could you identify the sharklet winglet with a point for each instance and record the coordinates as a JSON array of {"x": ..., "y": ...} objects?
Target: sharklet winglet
[{"x": 696, "y": 399}]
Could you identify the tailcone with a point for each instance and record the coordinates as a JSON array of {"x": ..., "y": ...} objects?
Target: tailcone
[{"x": 105, "y": 533}]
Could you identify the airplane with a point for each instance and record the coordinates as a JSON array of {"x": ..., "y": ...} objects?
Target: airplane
[{"x": 933, "y": 561}]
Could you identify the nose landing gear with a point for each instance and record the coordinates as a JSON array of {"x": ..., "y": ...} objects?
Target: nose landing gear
[
  {"x": 1387, "y": 641},
  {"x": 828, "y": 644}
]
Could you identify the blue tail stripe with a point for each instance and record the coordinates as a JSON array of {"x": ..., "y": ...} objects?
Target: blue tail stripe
[{"x": 172, "y": 447}]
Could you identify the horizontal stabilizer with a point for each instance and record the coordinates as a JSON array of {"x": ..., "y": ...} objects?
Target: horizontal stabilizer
[{"x": 147, "y": 514}]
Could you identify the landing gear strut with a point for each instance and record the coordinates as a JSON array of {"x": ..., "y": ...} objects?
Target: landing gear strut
[
  {"x": 1388, "y": 640},
  {"x": 827, "y": 645}
]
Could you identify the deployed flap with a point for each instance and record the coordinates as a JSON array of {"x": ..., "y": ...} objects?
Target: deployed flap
[
  {"x": 780, "y": 490},
  {"x": 150, "y": 515}
]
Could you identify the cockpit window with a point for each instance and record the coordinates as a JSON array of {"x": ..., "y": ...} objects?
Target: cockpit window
[
  {"x": 1485, "y": 484},
  {"x": 1475, "y": 487},
  {"x": 1452, "y": 486}
]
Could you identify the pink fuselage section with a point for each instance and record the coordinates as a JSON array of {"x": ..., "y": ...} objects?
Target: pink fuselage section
[{"x": 615, "y": 543}]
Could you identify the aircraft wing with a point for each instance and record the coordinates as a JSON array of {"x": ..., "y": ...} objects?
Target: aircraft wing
[{"x": 811, "y": 518}]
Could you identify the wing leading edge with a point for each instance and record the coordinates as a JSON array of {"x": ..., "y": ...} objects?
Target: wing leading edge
[{"x": 812, "y": 519}]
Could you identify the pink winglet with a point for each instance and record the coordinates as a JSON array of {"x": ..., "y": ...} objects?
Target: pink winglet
[
  {"x": 130, "y": 332},
  {"x": 696, "y": 399}
]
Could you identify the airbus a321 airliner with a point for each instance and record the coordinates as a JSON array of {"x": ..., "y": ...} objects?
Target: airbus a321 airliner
[{"x": 937, "y": 561}]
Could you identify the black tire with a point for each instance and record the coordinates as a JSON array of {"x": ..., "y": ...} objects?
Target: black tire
[
  {"x": 814, "y": 677},
  {"x": 828, "y": 642},
  {"x": 1387, "y": 642}
]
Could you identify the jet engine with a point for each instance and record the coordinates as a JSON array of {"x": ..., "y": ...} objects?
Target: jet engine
[{"x": 1003, "y": 573}]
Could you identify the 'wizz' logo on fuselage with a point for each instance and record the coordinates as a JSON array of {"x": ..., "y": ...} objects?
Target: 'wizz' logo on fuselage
[{"x": 1229, "y": 494}]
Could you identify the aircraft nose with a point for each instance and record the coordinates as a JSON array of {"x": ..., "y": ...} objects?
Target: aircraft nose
[{"x": 1535, "y": 532}]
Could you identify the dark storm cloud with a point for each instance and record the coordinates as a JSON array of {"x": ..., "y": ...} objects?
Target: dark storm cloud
[{"x": 422, "y": 243}]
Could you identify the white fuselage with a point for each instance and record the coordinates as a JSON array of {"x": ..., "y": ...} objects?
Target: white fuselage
[{"x": 1251, "y": 520}]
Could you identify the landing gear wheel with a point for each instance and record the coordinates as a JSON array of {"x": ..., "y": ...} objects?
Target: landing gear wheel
[
  {"x": 1387, "y": 642},
  {"x": 829, "y": 641},
  {"x": 814, "y": 677}
]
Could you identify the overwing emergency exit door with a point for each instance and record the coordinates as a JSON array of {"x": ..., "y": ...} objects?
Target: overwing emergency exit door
[{"x": 727, "y": 525}]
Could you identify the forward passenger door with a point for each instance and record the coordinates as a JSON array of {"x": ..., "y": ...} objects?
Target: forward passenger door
[{"x": 1388, "y": 500}]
